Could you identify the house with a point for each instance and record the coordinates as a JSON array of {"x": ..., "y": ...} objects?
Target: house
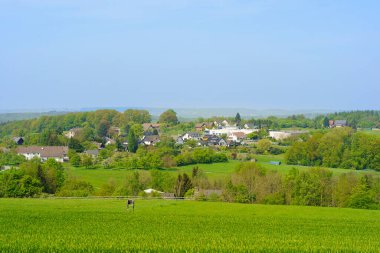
[
  {"x": 232, "y": 143},
  {"x": 282, "y": 135},
  {"x": 237, "y": 136},
  {"x": 93, "y": 152},
  {"x": 109, "y": 141},
  {"x": 179, "y": 140},
  {"x": 213, "y": 140},
  {"x": 230, "y": 130},
  {"x": 199, "y": 127},
  {"x": 191, "y": 136},
  {"x": 150, "y": 140},
  {"x": 225, "y": 123},
  {"x": 337, "y": 123},
  {"x": 340, "y": 123},
  {"x": 114, "y": 131},
  {"x": 18, "y": 140},
  {"x": 98, "y": 145},
  {"x": 250, "y": 126},
  {"x": 58, "y": 153},
  {"x": 151, "y": 126},
  {"x": 73, "y": 132}
]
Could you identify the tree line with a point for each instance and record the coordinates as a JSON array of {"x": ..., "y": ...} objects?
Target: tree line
[{"x": 340, "y": 147}]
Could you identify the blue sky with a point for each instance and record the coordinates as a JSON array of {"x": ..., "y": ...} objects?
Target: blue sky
[{"x": 286, "y": 54}]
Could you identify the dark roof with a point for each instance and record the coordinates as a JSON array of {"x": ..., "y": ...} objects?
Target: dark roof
[
  {"x": 151, "y": 138},
  {"x": 18, "y": 139},
  {"x": 341, "y": 122},
  {"x": 93, "y": 152},
  {"x": 45, "y": 151},
  {"x": 146, "y": 126},
  {"x": 193, "y": 134}
]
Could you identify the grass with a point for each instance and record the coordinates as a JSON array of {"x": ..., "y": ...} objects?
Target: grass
[
  {"x": 215, "y": 171},
  {"x": 98, "y": 225}
]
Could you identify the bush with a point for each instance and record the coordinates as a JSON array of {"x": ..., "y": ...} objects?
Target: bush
[{"x": 75, "y": 188}]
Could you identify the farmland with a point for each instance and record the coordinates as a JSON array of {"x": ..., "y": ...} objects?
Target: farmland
[{"x": 83, "y": 225}]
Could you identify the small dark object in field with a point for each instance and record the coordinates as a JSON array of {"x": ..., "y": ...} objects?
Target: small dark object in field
[{"x": 131, "y": 202}]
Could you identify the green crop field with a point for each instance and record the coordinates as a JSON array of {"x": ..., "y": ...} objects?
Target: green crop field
[{"x": 104, "y": 225}]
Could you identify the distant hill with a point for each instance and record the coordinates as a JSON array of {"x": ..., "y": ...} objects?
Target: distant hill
[
  {"x": 193, "y": 113},
  {"x": 6, "y": 117}
]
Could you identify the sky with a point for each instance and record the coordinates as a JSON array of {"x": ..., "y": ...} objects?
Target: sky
[{"x": 257, "y": 54}]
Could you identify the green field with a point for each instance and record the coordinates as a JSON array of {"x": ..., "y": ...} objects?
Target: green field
[
  {"x": 216, "y": 171},
  {"x": 100, "y": 225}
]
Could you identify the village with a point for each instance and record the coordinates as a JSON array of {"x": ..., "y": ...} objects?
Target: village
[{"x": 205, "y": 134}]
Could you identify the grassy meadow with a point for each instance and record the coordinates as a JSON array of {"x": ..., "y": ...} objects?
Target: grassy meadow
[
  {"x": 215, "y": 171},
  {"x": 104, "y": 225}
]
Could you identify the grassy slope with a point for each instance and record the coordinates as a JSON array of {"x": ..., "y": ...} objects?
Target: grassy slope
[
  {"x": 216, "y": 171},
  {"x": 162, "y": 225}
]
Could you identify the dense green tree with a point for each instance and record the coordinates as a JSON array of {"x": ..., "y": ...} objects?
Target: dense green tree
[
  {"x": 237, "y": 119},
  {"x": 75, "y": 144},
  {"x": 137, "y": 116},
  {"x": 132, "y": 141},
  {"x": 183, "y": 184},
  {"x": 169, "y": 117},
  {"x": 103, "y": 127}
]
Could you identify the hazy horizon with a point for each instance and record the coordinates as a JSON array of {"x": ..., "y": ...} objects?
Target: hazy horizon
[{"x": 288, "y": 54}]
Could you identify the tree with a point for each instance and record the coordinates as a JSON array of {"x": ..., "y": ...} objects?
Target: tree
[
  {"x": 103, "y": 127},
  {"x": 326, "y": 122},
  {"x": 237, "y": 118},
  {"x": 263, "y": 145},
  {"x": 87, "y": 161},
  {"x": 183, "y": 184},
  {"x": 75, "y": 145},
  {"x": 132, "y": 141},
  {"x": 137, "y": 116},
  {"x": 169, "y": 117}
]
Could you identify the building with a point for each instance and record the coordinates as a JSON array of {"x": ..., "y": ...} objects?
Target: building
[
  {"x": 179, "y": 140},
  {"x": 281, "y": 135},
  {"x": 18, "y": 140},
  {"x": 58, "y": 153},
  {"x": 114, "y": 131},
  {"x": 109, "y": 141},
  {"x": 340, "y": 123},
  {"x": 151, "y": 126},
  {"x": 237, "y": 136},
  {"x": 337, "y": 123},
  {"x": 92, "y": 152},
  {"x": 73, "y": 132},
  {"x": 191, "y": 136},
  {"x": 150, "y": 140},
  {"x": 230, "y": 131}
]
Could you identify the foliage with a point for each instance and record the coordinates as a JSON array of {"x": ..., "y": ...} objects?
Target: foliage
[
  {"x": 169, "y": 117},
  {"x": 132, "y": 141},
  {"x": 337, "y": 148}
]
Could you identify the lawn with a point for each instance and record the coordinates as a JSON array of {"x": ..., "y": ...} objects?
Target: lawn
[{"x": 99, "y": 225}]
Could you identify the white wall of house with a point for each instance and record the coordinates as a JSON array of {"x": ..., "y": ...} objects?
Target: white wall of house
[
  {"x": 279, "y": 135},
  {"x": 230, "y": 130},
  {"x": 30, "y": 156}
]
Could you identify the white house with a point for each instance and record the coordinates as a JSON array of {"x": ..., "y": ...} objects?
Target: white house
[
  {"x": 281, "y": 135},
  {"x": 72, "y": 132},
  {"x": 191, "y": 136},
  {"x": 231, "y": 130},
  {"x": 58, "y": 153}
]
